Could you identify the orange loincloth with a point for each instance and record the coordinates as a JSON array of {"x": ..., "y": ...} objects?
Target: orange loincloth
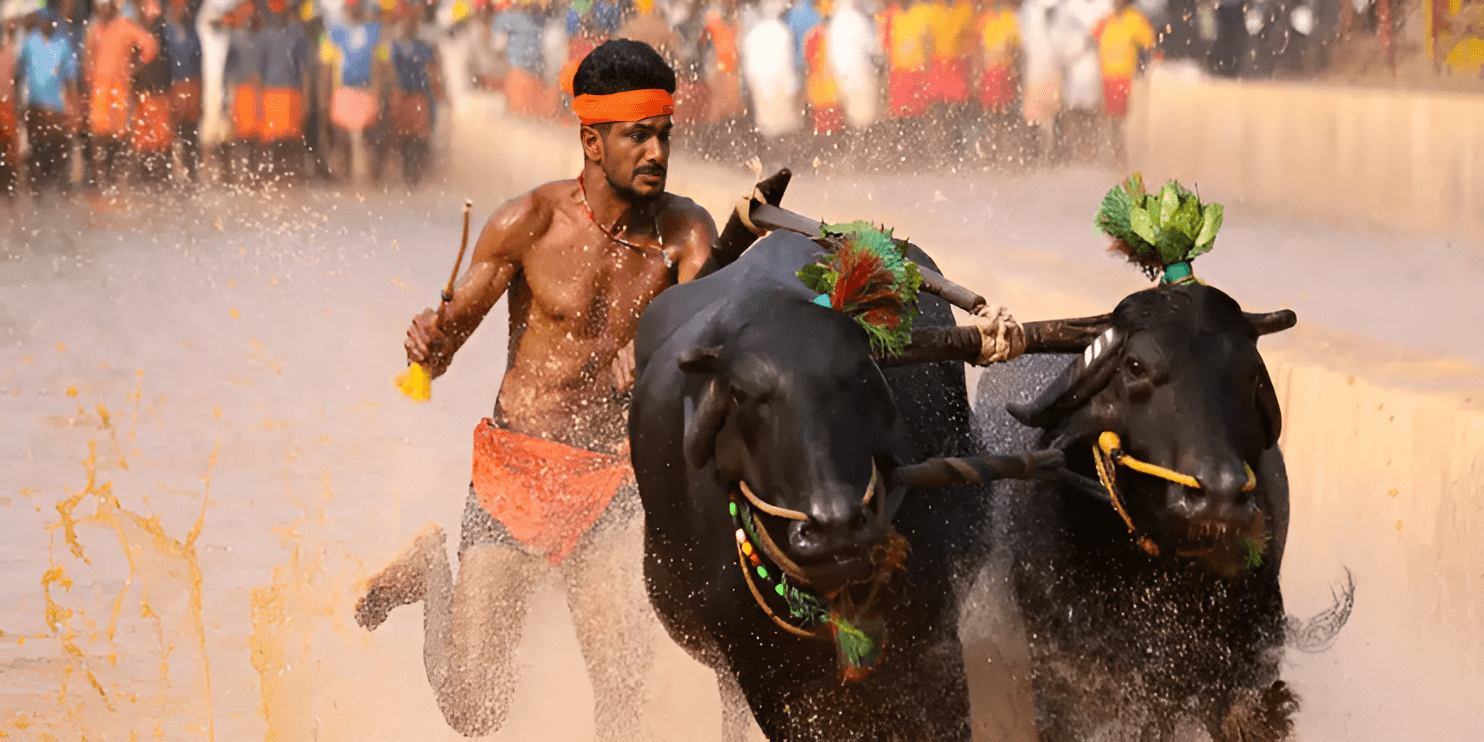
[
  {"x": 547, "y": 494},
  {"x": 283, "y": 115},
  {"x": 152, "y": 129},
  {"x": 109, "y": 111},
  {"x": 1115, "y": 96},
  {"x": 997, "y": 87},
  {"x": 907, "y": 91},
  {"x": 245, "y": 111},
  {"x": 946, "y": 82}
]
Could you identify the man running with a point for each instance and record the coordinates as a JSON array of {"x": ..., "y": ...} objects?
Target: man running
[{"x": 581, "y": 259}]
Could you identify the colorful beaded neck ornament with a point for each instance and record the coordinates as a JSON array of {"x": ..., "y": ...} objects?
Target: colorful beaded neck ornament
[{"x": 858, "y": 641}]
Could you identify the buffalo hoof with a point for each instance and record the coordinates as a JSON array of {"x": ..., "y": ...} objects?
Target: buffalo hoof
[{"x": 401, "y": 582}]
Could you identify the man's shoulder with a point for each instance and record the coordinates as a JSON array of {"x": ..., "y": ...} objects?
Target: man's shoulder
[
  {"x": 530, "y": 213},
  {"x": 549, "y": 197},
  {"x": 683, "y": 207}
]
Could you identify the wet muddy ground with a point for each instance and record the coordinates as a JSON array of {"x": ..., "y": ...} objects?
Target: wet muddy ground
[{"x": 203, "y": 453}]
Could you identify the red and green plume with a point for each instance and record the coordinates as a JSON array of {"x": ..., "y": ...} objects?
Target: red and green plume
[{"x": 868, "y": 277}]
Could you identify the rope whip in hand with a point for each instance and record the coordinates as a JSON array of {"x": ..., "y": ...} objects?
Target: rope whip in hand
[{"x": 416, "y": 382}]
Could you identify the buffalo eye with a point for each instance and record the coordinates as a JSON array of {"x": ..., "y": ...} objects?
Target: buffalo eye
[{"x": 1135, "y": 368}]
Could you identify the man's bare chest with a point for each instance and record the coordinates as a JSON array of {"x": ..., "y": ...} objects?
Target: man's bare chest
[{"x": 587, "y": 280}]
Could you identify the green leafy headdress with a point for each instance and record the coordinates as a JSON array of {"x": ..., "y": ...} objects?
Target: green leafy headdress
[
  {"x": 1159, "y": 232},
  {"x": 868, "y": 277}
]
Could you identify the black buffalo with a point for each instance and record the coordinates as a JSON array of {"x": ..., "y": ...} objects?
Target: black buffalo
[
  {"x": 741, "y": 377},
  {"x": 1142, "y": 628}
]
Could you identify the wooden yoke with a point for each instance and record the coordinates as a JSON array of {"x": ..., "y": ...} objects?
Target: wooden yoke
[{"x": 763, "y": 214}]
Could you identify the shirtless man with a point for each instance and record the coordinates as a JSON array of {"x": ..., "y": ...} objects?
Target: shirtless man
[{"x": 581, "y": 259}]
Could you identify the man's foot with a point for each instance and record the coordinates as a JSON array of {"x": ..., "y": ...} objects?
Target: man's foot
[{"x": 402, "y": 582}]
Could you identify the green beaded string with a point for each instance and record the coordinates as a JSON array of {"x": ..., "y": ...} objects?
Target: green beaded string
[{"x": 801, "y": 605}]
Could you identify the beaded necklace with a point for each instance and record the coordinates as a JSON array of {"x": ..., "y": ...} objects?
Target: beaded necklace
[{"x": 645, "y": 251}]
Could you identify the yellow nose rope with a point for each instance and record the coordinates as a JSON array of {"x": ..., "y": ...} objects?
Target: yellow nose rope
[{"x": 1109, "y": 453}]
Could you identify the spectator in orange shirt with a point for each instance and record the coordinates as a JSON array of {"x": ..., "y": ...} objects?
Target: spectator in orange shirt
[
  {"x": 285, "y": 80},
  {"x": 112, "y": 43},
  {"x": 949, "y": 27},
  {"x": 243, "y": 77},
  {"x": 725, "y": 76},
  {"x": 999, "y": 49}
]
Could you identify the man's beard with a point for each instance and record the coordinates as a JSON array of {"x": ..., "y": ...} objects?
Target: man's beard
[{"x": 629, "y": 193}]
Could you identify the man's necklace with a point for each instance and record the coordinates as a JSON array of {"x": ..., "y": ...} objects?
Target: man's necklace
[{"x": 642, "y": 250}]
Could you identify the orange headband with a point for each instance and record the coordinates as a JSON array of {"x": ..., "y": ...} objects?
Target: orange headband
[{"x": 632, "y": 105}]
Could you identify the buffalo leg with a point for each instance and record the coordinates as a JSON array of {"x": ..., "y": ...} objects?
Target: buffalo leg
[
  {"x": 471, "y": 626},
  {"x": 615, "y": 626}
]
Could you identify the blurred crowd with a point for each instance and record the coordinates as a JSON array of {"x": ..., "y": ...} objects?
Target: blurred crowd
[
  {"x": 945, "y": 79},
  {"x": 98, "y": 93}
]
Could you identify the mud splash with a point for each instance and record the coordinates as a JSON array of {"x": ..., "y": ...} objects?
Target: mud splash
[
  {"x": 301, "y": 599},
  {"x": 123, "y": 693}
]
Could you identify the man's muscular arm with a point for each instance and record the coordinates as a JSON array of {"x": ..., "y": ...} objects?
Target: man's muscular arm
[{"x": 435, "y": 336}]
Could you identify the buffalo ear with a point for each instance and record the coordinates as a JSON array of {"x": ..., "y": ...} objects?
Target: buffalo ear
[
  {"x": 1086, "y": 376},
  {"x": 1267, "y": 323},
  {"x": 701, "y": 360},
  {"x": 706, "y": 411},
  {"x": 1267, "y": 406}
]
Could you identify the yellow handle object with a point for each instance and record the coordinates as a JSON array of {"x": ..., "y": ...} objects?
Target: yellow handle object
[{"x": 416, "y": 383}]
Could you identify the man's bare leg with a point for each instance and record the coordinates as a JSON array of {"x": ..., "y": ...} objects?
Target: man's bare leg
[
  {"x": 471, "y": 627},
  {"x": 615, "y": 625}
]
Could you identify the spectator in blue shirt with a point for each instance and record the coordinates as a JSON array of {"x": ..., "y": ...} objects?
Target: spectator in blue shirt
[
  {"x": 48, "y": 70},
  {"x": 801, "y": 19}
]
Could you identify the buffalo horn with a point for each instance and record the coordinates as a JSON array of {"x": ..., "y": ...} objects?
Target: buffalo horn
[
  {"x": 735, "y": 236},
  {"x": 1081, "y": 379},
  {"x": 1267, "y": 323},
  {"x": 945, "y": 472},
  {"x": 771, "y": 216},
  {"x": 1064, "y": 335}
]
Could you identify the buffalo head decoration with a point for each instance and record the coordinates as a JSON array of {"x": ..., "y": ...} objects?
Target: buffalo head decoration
[{"x": 1176, "y": 378}]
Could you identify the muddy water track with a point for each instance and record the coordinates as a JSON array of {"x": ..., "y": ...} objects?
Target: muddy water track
[{"x": 204, "y": 455}]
